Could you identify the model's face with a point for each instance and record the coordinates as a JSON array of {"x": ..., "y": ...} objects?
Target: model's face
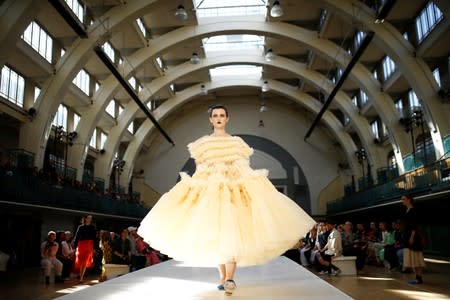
[{"x": 218, "y": 118}]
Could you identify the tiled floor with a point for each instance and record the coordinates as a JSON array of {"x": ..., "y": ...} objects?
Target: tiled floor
[{"x": 374, "y": 284}]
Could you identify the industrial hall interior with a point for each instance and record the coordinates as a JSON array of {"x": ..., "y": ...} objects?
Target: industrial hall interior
[{"x": 346, "y": 103}]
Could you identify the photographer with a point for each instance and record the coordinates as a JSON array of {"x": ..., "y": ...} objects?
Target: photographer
[{"x": 49, "y": 248}]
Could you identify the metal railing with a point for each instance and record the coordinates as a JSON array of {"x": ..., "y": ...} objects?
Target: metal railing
[
  {"x": 30, "y": 189},
  {"x": 431, "y": 178}
]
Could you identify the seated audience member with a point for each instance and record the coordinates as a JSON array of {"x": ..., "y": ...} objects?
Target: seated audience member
[
  {"x": 106, "y": 246},
  {"x": 388, "y": 255},
  {"x": 399, "y": 244},
  {"x": 4, "y": 258},
  {"x": 376, "y": 247},
  {"x": 138, "y": 258},
  {"x": 321, "y": 241},
  {"x": 49, "y": 248},
  {"x": 151, "y": 255},
  {"x": 360, "y": 246},
  {"x": 308, "y": 246},
  {"x": 348, "y": 239},
  {"x": 372, "y": 236},
  {"x": 7, "y": 254},
  {"x": 122, "y": 249},
  {"x": 67, "y": 254},
  {"x": 332, "y": 249}
]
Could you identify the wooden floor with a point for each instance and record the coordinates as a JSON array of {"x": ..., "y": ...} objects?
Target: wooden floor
[{"x": 280, "y": 279}]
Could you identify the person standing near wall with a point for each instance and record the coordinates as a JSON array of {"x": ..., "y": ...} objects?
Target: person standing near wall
[{"x": 413, "y": 251}]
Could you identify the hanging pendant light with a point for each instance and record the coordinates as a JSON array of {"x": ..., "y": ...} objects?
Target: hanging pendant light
[
  {"x": 276, "y": 11},
  {"x": 265, "y": 87},
  {"x": 269, "y": 55},
  {"x": 203, "y": 90},
  {"x": 181, "y": 13},
  {"x": 263, "y": 108},
  {"x": 195, "y": 59}
]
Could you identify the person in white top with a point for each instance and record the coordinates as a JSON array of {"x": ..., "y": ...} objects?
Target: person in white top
[
  {"x": 49, "y": 248},
  {"x": 68, "y": 254},
  {"x": 332, "y": 249}
]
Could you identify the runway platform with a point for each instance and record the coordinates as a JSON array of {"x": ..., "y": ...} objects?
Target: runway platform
[{"x": 279, "y": 279}]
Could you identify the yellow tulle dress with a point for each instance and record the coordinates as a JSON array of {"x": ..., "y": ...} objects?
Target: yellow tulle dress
[{"x": 225, "y": 212}]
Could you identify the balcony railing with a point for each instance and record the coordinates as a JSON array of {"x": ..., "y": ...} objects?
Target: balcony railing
[
  {"x": 432, "y": 178},
  {"x": 20, "y": 187}
]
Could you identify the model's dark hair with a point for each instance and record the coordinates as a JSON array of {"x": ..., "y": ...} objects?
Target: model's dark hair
[{"x": 217, "y": 106}]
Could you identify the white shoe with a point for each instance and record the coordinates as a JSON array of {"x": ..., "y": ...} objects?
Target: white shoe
[
  {"x": 229, "y": 286},
  {"x": 335, "y": 272}
]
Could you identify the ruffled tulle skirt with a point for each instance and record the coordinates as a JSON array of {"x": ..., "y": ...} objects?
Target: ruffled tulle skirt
[{"x": 212, "y": 221}]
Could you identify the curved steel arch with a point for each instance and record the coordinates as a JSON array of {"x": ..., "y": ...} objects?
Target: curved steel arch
[
  {"x": 171, "y": 39},
  {"x": 326, "y": 48},
  {"x": 415, "y": 70},
  {"x": 382, "y": 101},
  {"x": 343, "y": 102},
  {"x": 34, "y": 135},
  {"x": 183, "y": 97}
]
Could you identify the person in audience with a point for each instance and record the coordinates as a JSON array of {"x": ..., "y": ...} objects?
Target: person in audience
[
  {"x": 151, "y": 255},
  {"x": 122, "y": 249},
  {"x": 138, "y": 258},
  {"x": 387, "y": 254},
  {"x": 377, "y": 246},
  {"x": 372, "y": 237},
  {"x": 84, "y": 243},
  {"x": 360, "y": 245},
  {"x": 399, "y": 243},
  {"x": 332, "y": 249},
  {"x": 308, "y": 246},
  {"x": 60, "y": 237},
  {"x": 49, "y": 248},
  {"x": 321, "y": 241},
  {"x": 106, "y": 245},
  {"x": 413, "y": 252},
  {"x": 68, "y": 254},
  {"x": 348, "y": 240},
  {"x": 4, "y": 259}
]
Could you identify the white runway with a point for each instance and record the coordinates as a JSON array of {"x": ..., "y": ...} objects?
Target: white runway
[{"x": 279, "y": 279}]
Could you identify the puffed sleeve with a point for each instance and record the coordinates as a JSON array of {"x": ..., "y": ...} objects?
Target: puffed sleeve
[
  {"x": 246, "y": 150},
  {"x": 195, "y": 148}
]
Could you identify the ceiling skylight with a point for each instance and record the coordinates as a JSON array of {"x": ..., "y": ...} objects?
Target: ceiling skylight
[
  {"x": 233, "y": 42},
  {"x": 221, "y": 8},
  {"x": 233, "y": 70}
]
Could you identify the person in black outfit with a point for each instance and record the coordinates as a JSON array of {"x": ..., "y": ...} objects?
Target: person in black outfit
[
  {"x": 122, "y": 249},
  {"x": 84, "y": 243},
  {"x": 414, "y": 242}
]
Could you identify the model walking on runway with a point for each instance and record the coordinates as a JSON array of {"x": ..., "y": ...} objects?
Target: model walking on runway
[{"x": 226, "y": 214}]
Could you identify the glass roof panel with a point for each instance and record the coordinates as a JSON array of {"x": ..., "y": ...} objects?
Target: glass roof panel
[
  {"x": 221, "y": 8},
  {"x": 232, "y": 70},
  {"x": 233, "y": 42}
]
